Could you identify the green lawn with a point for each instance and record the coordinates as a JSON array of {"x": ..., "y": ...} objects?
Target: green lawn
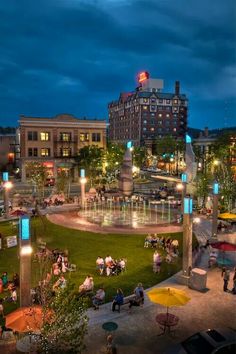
[{"x": 84, "y": 247}]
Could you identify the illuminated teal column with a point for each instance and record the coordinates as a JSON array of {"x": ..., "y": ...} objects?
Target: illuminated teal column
[
  {"x": 187, "y": 236},
  {"x": 25, "y": 261},
  {"x": 83, "y": 181},
  {"x": 184, "y": 179},
  {"x": 215, "y": 209},
  {"x": 7, "y": 185}
]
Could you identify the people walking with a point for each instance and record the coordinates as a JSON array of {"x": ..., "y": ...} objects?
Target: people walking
[{"x": 226, "y": 279}]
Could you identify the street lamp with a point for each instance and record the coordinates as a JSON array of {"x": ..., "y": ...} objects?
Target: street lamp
[
  {"x": 25, "y": 261},
  {"x": 83, "y": 181},
  {"x": 7, "y": 185}
]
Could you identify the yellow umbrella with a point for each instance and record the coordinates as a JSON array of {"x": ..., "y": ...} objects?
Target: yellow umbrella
[
  {"x": 168, "y": 297},
  {"x": 227, "y": 216}
]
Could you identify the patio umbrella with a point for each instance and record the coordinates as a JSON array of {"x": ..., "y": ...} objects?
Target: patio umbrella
[
  {"x": 226, "y": 216},
  {"x": 224, "y": 246},
  {"x": 26, "y": 319},
  {"x": 224, "y": 261},
  {"x": 168, "y": 297},
  {"x": 18, "y": 212}
]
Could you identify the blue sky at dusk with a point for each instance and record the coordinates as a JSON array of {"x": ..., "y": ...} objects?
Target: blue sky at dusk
[{"x": 75, "y": 56}]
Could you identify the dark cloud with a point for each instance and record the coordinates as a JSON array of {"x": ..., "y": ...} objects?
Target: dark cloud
[{"x": 75, "y": 56}]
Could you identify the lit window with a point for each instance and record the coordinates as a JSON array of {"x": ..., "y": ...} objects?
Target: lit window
[
  {"x": 159, "y": 122},
  {"x": 84, "y": 137},
  {"x": 174, "y": 129},
  {"x": 167, "y": 115},
  {"x": 152, "y": 129},
  {"x": 144, "y": 129},
  {"x": 167, "y": 101},
  {"x": 65, "y": 152},
  {"x": 144, "y": 122},
  {"x": 145, "y": 100},
  {"x": 44, "y": 136},
  {"x": 153, "y": 114},
  {"x": 175, "y": 101},
  {"x": 96, "y": 137},
  {"x": 145, "y": 107},
  {"x": 45, "y": 152},
  {"x": 65, "y": 136},
  {"x": 160, "y": 115}
]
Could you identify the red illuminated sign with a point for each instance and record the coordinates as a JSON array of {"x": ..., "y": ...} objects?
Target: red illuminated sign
[
  {"x": 144, "y": 75},
  {"x": 48, "y": 164}
]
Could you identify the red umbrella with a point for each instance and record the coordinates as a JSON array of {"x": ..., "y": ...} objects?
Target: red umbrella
[
  {"x": 18, "y": 212},
  {"x": 224, "y": 246}
]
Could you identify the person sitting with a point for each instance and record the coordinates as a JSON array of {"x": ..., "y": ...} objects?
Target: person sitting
[
  {"x": 98, "y": 299},
  {"x": 13, "y": 296},
  {"x": 168, "y": 258},
  {"x": 118, "y": 300},
  {"x": 154, "y": 242},
  {"x": 5, "y": 279},
  {"x": 108, "y": 259},
  {"x": 122, "y": 264},
  {"x": 212, "y": 259},
  {"x": 56, "y": 269},
  {"x": 100, "y": 264},
  {"x": 59, "y": 284},
  {"x": 64, "y": 266},
  {"x": 16, "y": 280},
  {"x": 147, "y": 241},
  {"x": 139, "y": 296},
  {"x": 87, "y": 285}
]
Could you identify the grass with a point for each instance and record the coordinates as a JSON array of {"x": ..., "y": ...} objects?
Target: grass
[{"x": 84, "y": 247}]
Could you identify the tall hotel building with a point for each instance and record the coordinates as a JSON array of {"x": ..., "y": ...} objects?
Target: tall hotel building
[
  {"x": 56, "y": 141},
  {"x": 148, "y": 113}
]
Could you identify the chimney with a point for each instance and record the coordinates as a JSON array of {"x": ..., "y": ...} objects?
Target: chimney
[
  {"x": 206, "y": 132},
  {"x": 177, "y": 88}
]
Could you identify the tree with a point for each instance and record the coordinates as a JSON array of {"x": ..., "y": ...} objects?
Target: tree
[
  {"x": 167, "y": 150},
  {"x": 65, "y": 323},
  {"x": 38, "y": 175},
  {"x": 91, "y": 158},
  {"x": 139, "y": 156},
  {"x": 62, "y": 182},
  {"x": 203, "y": 182}
]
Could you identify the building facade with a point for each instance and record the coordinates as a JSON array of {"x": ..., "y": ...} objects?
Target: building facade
[
  {"x": 148, "y": 113},
  {"x": 9, "y": 151},
  {"x": 56, "y": 141}
]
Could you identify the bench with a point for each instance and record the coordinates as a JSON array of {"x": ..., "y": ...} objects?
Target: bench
[{"x": 126, "y": 301}]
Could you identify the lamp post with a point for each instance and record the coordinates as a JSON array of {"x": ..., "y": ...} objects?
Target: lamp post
[
  {"x": 25, "y": 261},
  {"x": 215, "y": 209},
  {"x": 83, "y": 181},
  {"x": 7, "y": 185},
  {"x": 187, "y": 236}
]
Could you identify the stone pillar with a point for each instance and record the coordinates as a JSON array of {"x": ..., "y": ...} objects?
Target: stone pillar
[
  {"x": 215, "y": 209},
  {"x": 25, "y": 261}
]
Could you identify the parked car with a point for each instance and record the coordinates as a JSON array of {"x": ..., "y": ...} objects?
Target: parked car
[{"x": 211, "y": 341}]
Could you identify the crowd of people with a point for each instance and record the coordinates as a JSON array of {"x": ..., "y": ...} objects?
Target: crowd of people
[
  {"x": 10, "y": 285},
  {"x": 167, "y": 244},
  {"x": 109, "y": 266}
]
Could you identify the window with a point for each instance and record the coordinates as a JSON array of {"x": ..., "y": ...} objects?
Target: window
[
  {"x": 175, "y": 101},
  {"x": 159, "y": 130},
  {"x": 44, "y": 136},
  {"x": 152, "y": 129},
  {"x": 154, "y": 90},
  {"x": 65, "y": 136},
  {"x": 160, "y": 100},
  {"x": 145, "y": 122},
  {"x": 45, "y": 152},
  {"x": 136, "y": 108},
  {"x": 65, "y": 152},
  {"x": 153, "y": 108},
  {"x": 153, "y": 114},
  {"x": 84, "y": 137},
  {"x": 159, "y": 115},
  {"x": 153, "y": 100},
  {"x": 175, "y": 109},
  {"x": 96, "y": 137},
  {"x": 167, "y": 115},
  {"x": 167, "y": 101},
  {"x": 145, "y": 100},
  {"x": 32, "y": 136},
  {"x": 145, "y": 107},
  {"x": 159, "y": 122},
  {"x": 33, "y": 152},
  {"x": 167, "y": 122},
  {"x": 174, "y": 130},
  {"x": 144, "y": 129}
]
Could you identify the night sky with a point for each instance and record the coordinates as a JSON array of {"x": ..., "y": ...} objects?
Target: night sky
[{"x": 75, "y": 56}]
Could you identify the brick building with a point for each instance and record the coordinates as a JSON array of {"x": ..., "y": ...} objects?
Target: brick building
[
  {"x": 56, "y": 141},
  {"x": 148, "y": 113}
]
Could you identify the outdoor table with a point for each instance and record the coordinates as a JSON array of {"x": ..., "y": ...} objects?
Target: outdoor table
[
  {"x": 166, "y": 321},
  {"x": 110, "y": 326}
]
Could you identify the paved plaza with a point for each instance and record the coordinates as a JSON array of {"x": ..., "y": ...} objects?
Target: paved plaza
[{"x": 137, "y": 332}]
